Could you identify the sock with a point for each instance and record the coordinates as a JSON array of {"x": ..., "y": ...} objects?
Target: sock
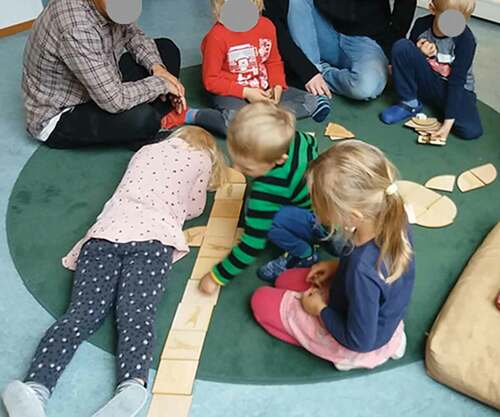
[
  {"x": 212, "y": 120},
  {"x": 411, "y": 103},
  {"x": 130, "y": 397},
  {"x": 209, "y": 119},
  {"x": 25, "y": 399},
  {"x": 322, "y": 110}
]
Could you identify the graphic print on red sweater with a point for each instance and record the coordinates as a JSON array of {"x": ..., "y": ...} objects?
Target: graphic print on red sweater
[{"x": 244, "y": 61}]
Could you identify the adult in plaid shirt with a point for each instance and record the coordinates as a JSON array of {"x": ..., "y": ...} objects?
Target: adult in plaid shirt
[{"x": 80, "y": 90}]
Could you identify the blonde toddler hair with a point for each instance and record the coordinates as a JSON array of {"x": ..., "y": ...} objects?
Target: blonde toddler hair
[
  {"x": 466, "y": 7},
  {"x": 261, "y": 131},
  {"x": 355, "y": 176},
  {"x": 200, "y": 139},
  {"x": 217, "y": 6}
]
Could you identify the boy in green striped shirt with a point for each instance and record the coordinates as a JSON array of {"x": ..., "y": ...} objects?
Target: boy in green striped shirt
[{"x": 264, "y": 144}]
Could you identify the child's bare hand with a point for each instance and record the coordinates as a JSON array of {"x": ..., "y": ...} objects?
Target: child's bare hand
[
  {"x": 207, "y": 285},
  {"x": 312, "y": 302},
  {"x": 254, "y": 95},
  {"x": 428, "y": 48},
  {"x": 443, "y": 133},
  {"x": 277, "y": 92},
  {"x": 321, "y": 273}
]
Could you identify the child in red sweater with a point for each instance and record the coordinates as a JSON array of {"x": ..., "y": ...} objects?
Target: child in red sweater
[{"x": 242, "y": 67}]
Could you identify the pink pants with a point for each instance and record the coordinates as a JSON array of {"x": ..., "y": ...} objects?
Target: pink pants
[{"x": 266, "y": 303}]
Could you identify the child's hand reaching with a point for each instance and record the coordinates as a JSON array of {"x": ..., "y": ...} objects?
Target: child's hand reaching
[
  {"x": 254, "y": 95},
  {"x": 443, "y": 133},
  {"x": 207, "y": 285},
  {"x": 428, "y": 48},
  {"x": 276, "y": 93},
  {"x": 312, "y": 302},
  {"x": 321, "y": 273}
]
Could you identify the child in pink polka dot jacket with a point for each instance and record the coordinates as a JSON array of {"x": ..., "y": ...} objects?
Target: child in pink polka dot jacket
[{"x": 122, "y": 264}]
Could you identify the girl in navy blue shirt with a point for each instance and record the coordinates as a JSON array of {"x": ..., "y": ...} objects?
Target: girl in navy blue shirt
[{"x": 350, "y": 311}]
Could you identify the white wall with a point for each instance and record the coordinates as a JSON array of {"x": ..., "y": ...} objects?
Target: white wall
[
  {"x": 13, "y": 12},
  {"x": 485, "y": 9}
]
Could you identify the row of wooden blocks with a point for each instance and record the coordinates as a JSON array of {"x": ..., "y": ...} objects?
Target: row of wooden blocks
[{"x": 172, "y": 390}]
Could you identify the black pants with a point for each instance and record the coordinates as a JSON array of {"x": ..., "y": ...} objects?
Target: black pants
[{"x": 88, "y": 124}]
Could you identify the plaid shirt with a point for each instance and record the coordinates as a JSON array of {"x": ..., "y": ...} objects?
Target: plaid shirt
[{"x": 72, "y": 57}]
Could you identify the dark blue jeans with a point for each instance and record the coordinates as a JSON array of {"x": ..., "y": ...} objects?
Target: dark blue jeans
[
  {"x": 414, "y": 78},
  {"x": 296, "y": 230}
]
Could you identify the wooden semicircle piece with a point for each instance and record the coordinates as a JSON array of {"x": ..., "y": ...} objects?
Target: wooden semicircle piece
[
  {"x": 430, "y": 208},
  {"x": 477, "y": 178},
  {"x": 442, "y": 183}
]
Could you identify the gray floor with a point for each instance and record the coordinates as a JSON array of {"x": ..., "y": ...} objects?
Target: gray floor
[{"x": 89, "y": 380}]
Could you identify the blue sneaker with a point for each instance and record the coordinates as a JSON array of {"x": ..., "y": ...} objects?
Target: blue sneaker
[
  {"x": 399, "y": 113},
  {"x": 273, "y": 269}
]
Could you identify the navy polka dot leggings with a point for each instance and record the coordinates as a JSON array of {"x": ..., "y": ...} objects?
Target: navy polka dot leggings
[{"x": 131, "y": 277}]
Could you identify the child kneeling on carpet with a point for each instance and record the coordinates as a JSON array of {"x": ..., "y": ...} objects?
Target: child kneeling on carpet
[
  {"x": 122, "y": 264},
  {"x": 436, "y": 69},
  {"x": 263, "y": 144},
  {"x": 349, "y": 312},
  {"x": 241, "y": 67}
]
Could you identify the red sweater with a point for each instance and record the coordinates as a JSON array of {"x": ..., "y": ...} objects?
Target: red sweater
[{"x": 235, "y": 60}]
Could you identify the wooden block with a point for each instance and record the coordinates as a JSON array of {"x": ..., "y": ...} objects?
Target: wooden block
[
  {"x": 194, "y": 236},
  {"x": 170, "y": 405},
  {"x": 192, "y": 317},
  {"x": 175, "y": 377},
  {"x": 235, "y": 177},
  {"x": 425, "y": 122},
  {"x": 221, "y": 227},
  {"x": 336, "y": 131},
  {"x": 184, "y": 344},
  {"x": 203, "y": 265},
  {"x": 486, "y": 173},
  {"x": 227, "y": 208},
  {"x": 231, "y": 192},
  {"x": 468, "y": 182},
  {"x": 215, "y": 247},
  {"x": 192, "y": 295},
  {"x": 442, "y": 183}
]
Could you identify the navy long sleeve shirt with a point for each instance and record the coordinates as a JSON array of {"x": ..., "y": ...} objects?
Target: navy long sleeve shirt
[
  {"x": 364, "y": 311},
  {"x": 459, "y": 52}
]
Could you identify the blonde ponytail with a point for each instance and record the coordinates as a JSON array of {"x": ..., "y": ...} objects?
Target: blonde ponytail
[{"x": 357, "y": 177}]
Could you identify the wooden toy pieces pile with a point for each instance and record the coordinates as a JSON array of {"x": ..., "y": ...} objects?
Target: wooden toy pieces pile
[
  {"x": 172, "y": 390},
  {"x": 428, "y": 208},
  {"x": 425, "y": 126}
]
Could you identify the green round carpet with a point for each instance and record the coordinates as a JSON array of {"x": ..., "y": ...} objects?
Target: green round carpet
[{"x": 59, "y": 194}]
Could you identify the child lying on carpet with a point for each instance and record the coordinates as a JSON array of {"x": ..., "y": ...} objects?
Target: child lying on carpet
[
  {"x": 263, "y": 144},
  {"x": 242, "y": 67},
  {"x": 122, "y": 264},
  {"x": 349, "y": 312},
  {"x": 435, "y": 69}
]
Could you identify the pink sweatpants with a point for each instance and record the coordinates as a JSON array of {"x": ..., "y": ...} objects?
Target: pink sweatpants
[{"x": 266, "y": 302}]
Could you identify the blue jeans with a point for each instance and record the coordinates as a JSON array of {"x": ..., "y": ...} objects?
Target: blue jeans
[
  {"x": 414, "y": 78},
  {"x": 296, "y": 230},
  {"x": 353, "y": 66}
]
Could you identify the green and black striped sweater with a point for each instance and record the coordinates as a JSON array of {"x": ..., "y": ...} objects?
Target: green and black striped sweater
[{"x": 284, "y": 185}]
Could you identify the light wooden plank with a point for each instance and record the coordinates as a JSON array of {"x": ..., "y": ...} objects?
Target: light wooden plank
[
  {"x": 231, "y": 192},
  {"x": 193, "y": 295},
  {"x": 170, "y": 405},
  {"x": 227, "y": 208},
  {"x": 216, "y": 247},
  {"x": 175, "y": 377},
  {"x": 184, "y": 344},
  {"x": 221, "y": 227},
  {"x": 192, "y": 317}
]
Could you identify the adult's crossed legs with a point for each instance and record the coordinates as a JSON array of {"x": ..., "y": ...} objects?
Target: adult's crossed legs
[
  {"x": 353, "y": 66},
  {"x": 87, "y": 124}
]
